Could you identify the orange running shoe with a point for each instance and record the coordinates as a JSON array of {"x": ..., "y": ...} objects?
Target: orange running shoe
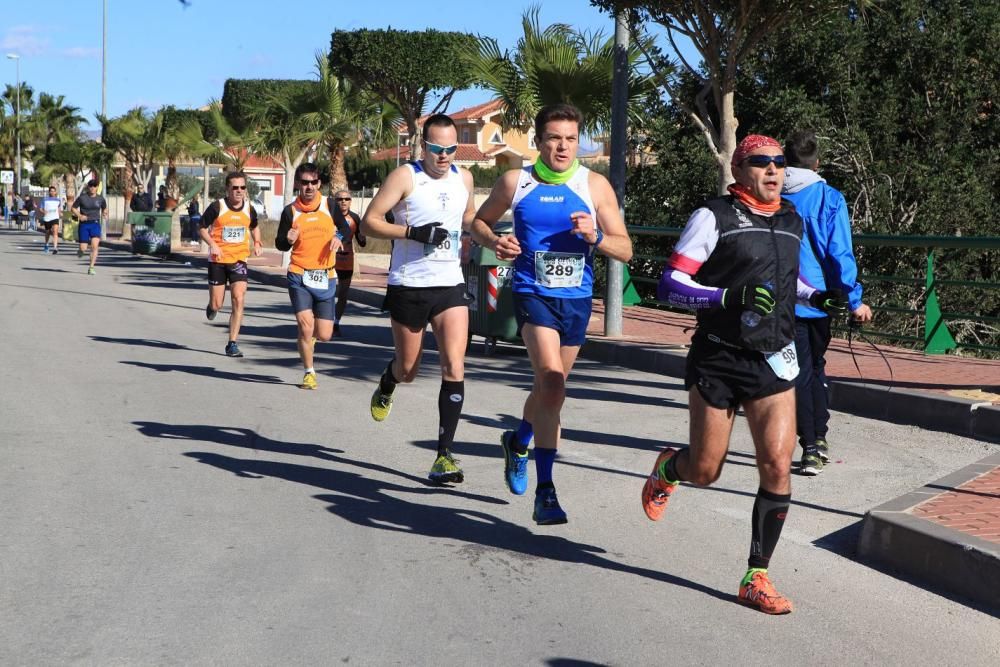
[
  {"x": 656, "y": 491},
  {"x": 758, "y": 592}
]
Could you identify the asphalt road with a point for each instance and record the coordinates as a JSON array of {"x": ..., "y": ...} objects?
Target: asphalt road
[{"x": 164, "y": 504}]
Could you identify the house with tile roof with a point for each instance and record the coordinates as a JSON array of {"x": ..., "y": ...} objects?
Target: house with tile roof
[{"x": 481, "y": 140}]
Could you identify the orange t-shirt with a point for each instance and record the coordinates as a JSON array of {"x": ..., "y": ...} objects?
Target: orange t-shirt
[
  {"x": 311, "y": 250},
  {"x": 231, "y": 232}
]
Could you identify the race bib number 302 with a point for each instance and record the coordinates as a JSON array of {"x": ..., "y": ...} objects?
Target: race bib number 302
[
  {"x": 234, "y": 234},
  {"x": 317, "y": 279},
  {"x": 559, "y": 269},
  {"x": 447, "y": 250}
]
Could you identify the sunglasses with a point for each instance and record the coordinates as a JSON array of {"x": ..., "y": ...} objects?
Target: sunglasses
[
  {"x": 237, "y": 187},
  {"x": 307, "y": 181},
  {"x": 762, "y": 161},
  {"x": 437, "y": 149},
  {"x": 343, "y": 199}
]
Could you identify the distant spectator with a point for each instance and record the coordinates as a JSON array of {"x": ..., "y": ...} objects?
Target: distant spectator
[
  {"x": 161, "y": 198},
  {"x": 141, "y": 201},
  {"x": 194, "y": 214}
]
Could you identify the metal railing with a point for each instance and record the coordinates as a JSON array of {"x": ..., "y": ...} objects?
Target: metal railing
[{"x": 935, "y": 338}]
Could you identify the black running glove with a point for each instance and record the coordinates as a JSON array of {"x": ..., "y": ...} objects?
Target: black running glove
[
  {"x": 431, "y": 233},
  {"x": 830, "y": 301},
  {"x": 752, "y": 296}
]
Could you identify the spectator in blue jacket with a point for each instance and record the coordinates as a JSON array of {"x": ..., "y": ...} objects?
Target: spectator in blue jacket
[{"x": 826, "y": 261}]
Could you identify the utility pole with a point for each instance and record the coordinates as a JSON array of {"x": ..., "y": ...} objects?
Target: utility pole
[
  {"x": 17, "y": 123},
  {"x": 619, "y": 119},
  {"x": 104, "y": 100}
]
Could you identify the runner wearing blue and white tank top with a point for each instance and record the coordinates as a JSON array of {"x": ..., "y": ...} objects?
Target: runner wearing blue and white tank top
[
  {"x": 563, "y": 215},
  {"x": 431, "y": 204}
]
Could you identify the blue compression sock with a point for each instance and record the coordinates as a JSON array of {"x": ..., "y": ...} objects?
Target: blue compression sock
[
  {"x": 524, "y": 434},
  {"x": 544, "y": 458}
]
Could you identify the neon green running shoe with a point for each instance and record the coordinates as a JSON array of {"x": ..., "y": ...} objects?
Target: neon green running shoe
[
  {"x": 381, "y": 405},
  {"x": 446, "y": 471}
]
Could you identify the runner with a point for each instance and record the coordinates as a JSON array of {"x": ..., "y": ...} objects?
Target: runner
[
  {"x": 431, "y": 203},
  {"x": 225, "y": 227},
  {"x": 89, "y": 208},
  {"x": 743, "y": 250},
  {"x": 345, "y": 257},
  {"x": 563, "y": 215},
  {"x": 52, "y": 208},
  {"x": 307, "y": 229}
]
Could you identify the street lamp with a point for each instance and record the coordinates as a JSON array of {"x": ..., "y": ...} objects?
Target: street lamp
[{"x": 17, "y": 59}]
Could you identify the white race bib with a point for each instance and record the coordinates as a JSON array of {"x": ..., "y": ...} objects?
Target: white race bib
[
  {"x": 784, "y": 363},
  {"x": 559, "y": 269},
  {"x": 234, "y": 234},
  {"x": 317, "y": 279},
  {"x": 448, "y": 250}
]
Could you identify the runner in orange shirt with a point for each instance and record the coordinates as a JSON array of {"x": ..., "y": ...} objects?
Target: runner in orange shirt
[
  {"x": 345, "y": 257},
  {"x": 227, "y": 227},
  {"x": 307, "y": 229}
]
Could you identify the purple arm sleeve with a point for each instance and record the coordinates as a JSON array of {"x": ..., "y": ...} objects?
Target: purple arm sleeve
[{"x": 680, "y": 289}]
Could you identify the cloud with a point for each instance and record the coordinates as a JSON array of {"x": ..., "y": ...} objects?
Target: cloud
[
  {"x": 25, "y": 40},
  {"x": 81, "y": 52}
]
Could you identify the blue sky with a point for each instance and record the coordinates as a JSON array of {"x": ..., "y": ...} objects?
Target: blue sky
[{"x": 160, "y": 52}]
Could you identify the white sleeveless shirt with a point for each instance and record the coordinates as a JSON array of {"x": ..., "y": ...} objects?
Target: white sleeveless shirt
[{"x": 441, "y": 200}]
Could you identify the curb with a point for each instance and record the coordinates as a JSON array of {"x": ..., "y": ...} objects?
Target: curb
[{"x": 946, "y": 558}]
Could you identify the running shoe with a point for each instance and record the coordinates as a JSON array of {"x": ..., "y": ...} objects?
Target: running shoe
[
  {"x": 547, "y": 510},
  {"x": 79, "y": 253},
  {"x": 811, "y": 464},
  {"x": 515, "y": 466},
  {"x": 209, "y": 313},
  {"x": 758, "y": 592},
  {"x": 309, "y": 381},
  {"x": 55, "y": 251},
  {"x": 381, "y": 405},
  {"x": 45, "y": 249},
  {"x": 91, "y": 271},
  {"x": 656, "y": 491},
  {"x": 446, "y": 471},
  {"x": 233, "y": 350},
  {"x": 823, "y": 449}
]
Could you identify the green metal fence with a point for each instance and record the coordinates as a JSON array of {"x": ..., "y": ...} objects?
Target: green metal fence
[{"x": 935, "y": 338}]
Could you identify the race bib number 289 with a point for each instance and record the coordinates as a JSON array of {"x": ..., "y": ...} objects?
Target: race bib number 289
[{"x": 559, "y": 269}]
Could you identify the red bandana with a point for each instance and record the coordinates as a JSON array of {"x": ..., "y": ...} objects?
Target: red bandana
[{"x": 750, "y": 143}]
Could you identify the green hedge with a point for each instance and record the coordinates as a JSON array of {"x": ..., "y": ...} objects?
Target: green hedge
[{"x": 240, "y": 96}]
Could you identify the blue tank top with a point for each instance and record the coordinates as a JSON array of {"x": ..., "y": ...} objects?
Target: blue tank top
[{"x": 553, "y": 261}]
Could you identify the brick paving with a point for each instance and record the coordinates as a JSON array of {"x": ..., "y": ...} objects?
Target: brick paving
[{"x": 972, "y": 508}]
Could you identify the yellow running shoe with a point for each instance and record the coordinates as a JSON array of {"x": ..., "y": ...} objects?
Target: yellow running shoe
[
  {"x": 381, "y": 405},
  {"x": 309, "y": 381},
  {"x": 445, "y": 470},
  {"x": 757, "y": 591}
]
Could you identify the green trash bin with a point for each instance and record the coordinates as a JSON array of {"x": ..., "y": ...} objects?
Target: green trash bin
[
  {"x": 151, "y": 232},
  {"x": 488, "y": 282}
]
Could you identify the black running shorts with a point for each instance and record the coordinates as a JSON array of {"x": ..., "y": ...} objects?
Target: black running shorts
[
  {"x": 727, "y": 376},
  {"x": 220, "y": 274},
  {"x": 415, "y": 306}
]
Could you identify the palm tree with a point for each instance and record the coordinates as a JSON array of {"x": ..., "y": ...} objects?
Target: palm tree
[
  {"x": 137, "y": 139},
  {"x": 52, "y": 122},
  {"x": 281, "y": 131},
  {"x": 336, "y": 114},
  {"x": 222, "y": 143},
  {"x": 552, "y": 65}
]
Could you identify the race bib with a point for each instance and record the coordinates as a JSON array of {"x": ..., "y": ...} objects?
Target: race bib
[
  {"x": 316, "y": 279},
  {"x": 559, "y": 269},
  {"x": 234, "y": 234},
  {"x": 784, "y": 363},
  {"x": 448, "y": 250}
]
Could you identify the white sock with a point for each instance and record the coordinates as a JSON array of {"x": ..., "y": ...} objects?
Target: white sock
[{"x": 311, "y": 370}]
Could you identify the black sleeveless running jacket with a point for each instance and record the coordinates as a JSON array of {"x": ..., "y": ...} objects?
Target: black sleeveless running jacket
[{"x": 753, "y": 248}]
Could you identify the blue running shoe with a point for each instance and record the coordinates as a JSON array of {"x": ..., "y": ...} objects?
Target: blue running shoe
[
  {"x": 515, "y": 466},
  {"x": 547, "y": 510}
]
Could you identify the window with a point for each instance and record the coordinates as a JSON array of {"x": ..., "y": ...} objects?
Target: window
[
  {"x": 465, "y": 135},
  {"x": 496, "y": 138}
]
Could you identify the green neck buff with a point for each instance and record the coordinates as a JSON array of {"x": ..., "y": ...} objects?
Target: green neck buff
[{"x": 549, "y": 175}]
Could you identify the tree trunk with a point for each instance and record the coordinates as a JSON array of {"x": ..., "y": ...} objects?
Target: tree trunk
[
  {"x": 727, "y": 136},
  {"x": 69, "y": 180},
  {"x": 338, "y": 175},
  {"x": 173, "y": 189}
]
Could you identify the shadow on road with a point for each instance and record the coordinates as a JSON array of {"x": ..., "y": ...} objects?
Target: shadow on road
[{"x": 207, "y": 371}]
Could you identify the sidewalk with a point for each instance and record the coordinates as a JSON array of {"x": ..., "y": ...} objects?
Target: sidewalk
[{"x": 947, "y": 532}]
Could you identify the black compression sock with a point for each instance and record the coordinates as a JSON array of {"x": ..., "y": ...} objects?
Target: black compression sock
[
  {"x": 387, "y": 384},
  {"x": 769, "y": 511},
  {"x": 450, "y": 400}
]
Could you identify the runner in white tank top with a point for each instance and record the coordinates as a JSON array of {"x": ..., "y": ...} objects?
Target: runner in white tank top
[{"x": 431, "y": 203}]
